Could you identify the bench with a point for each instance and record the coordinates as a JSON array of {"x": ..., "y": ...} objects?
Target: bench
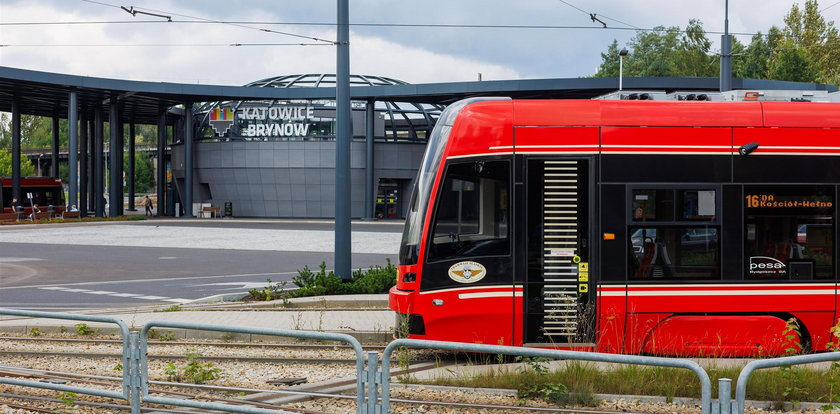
[
  {"x": 211, "y": 211},
  {"x": 42, "y": 215},
  {"x": 71, "y": 214},
  {"x": 9, "y": 216}
]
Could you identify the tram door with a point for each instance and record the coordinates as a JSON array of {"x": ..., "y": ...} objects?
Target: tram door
[{"x": 558, "y": 296}]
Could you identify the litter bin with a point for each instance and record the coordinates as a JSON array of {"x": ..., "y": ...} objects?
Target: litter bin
[{"x": 228, "y": 209}]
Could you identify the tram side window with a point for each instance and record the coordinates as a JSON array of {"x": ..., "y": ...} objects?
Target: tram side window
[
  {"x": 674, "y": 234},
  {"x": 472, "y": 217},
  {"x": 789, "y": 232}
]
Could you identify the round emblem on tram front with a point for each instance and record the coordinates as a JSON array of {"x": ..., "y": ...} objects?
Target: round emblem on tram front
[{"x": 467, "y": 272}]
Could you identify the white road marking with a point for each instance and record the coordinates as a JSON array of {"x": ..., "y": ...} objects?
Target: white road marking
[
  {"x": 115, "y": 294},
  {"x": 239, "y": 285}
]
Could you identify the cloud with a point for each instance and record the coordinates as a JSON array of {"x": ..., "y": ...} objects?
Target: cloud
[{"x": 212, "y": 64}]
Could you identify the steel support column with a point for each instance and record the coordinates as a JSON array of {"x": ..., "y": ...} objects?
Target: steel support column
[
  {"x": 98, "y": 162},
  {"x": 726, "y": 54},
  {"x": 129, "y": 176},
  {"x": 54, "y": 157},
  {"x": 115, "y": 148},
  {"x": 161, "y": 167},
  {"x": 16, "y": 149},
  {"x": 92, "y": 162},
  {"x": 84, "y": 166},
  {"x": 120, "y": 162},
  {"x": 72, "y": 148},
  {"x": 343, "y": 138},
  {"x": 370, "y": 184},
  {"x": 188, "y": 160}
]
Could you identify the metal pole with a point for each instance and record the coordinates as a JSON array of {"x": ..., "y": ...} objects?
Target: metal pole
[
  {"x": 620, "y": 72},
  {"x": 72, "y": 147},
  {"x": 370, "y": 184},
  {"x": 161, "y": 158},
  {"x": 84, "y": 166},
  {"x": 115, "y": 147},
  {"x": 99, "y": 163},
  {"x": 725, "y": 395},
  {"x": 16, "y": 149},
  {"x": 726, "y": 54},
  {"x": 188, "y": 159},
  {"x": 343, "y": 138},
  {"x": 130, "y": 173},
  {"x": 54, "y": 158}
]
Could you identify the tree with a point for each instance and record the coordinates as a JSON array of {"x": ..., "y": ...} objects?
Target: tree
[
  {"x": 609, "y": 62},
  {"x": 817, "y": 38},
  {"x": 26, "y": 167},
  {"x": 805, "y": 49},
  {"x": 791, "y": 63},
  {"x": 663, "y": 52},
  {"x": 144, "y": 173}
]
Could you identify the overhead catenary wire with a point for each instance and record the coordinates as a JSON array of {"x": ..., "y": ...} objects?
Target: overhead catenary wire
[
  {"x": 160, "y": 44},
  {"x": 594, "y": 16},
  {"x": 244, "y": 26}
]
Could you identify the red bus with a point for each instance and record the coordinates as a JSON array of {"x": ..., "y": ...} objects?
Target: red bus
[
  {"x": 45, "y": 192},
  {"x": 642, "y": 227}
]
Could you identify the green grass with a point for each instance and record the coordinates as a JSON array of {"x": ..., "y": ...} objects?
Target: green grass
[{"x": 584, "y": 379}]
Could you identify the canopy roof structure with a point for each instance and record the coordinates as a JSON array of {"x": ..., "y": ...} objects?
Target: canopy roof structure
[{"x": 47, "y": 94}]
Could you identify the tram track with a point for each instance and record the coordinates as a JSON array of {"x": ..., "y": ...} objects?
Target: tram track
[
  {"x": 405, "y": 403},
  {"x": 316, "y": 397}
]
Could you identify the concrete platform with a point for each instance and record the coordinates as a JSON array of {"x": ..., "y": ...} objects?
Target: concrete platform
[{"x": 365, "y": 317}]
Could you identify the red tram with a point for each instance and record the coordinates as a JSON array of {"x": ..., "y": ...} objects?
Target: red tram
[
  {"x": 45, "y": 192},
  {"x": 655, "y": 227}
]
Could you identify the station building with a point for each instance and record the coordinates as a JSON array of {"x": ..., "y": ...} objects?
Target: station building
[{"x": 276, "y": 158}]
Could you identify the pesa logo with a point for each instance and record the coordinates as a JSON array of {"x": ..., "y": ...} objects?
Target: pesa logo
[
  {"x": 467, "y": 272},
  {"x": 767, "y": 266}
]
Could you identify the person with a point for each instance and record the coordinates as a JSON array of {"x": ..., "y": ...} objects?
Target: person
[
  {"x": 15, "y": 205},
  {"x": 73, "y": 208},
  {"x": 148, "y": 203},
  {"x": 35, "y": 209}
]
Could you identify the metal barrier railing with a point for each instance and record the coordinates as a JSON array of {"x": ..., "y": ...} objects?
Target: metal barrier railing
[
  {"x": 135, "y": 366},
  {"x": 744, "y": 376},
  {"x": 128, "y": 341},
  {"x": 361, "y": 404},
  {"x": 383, "y": 377}
]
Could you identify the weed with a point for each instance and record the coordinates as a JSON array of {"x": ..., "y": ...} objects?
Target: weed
[
  {"x": 228, "y": 336},
  {"x": 832, "y": 374},
  {"x": 173, "y": 308},
  {"x": 194, "y": 371},
  {"x": 84, "y": 330},
  {"x": 373, "y": 280},
  {"x": 62, "y": 329},
  {"x": 271, "y": 291},
  {"x": 118, "y": 367},
  {"x": 162, "y": 336},
  {"x": 793, "y": 390},
  {"x": 68, "y": 398},
  {"x": 34, "y": 332}
]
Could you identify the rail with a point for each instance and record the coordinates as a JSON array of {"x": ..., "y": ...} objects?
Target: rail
[
  {"x": 127, "y": 343},
  {"x": 361, "y": 404}
]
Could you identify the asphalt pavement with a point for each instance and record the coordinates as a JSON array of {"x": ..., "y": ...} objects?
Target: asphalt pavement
[{"x": 78, "y": 266}]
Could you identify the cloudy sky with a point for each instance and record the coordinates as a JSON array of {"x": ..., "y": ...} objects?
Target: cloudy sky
[{"x": 408, "y": 40}]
